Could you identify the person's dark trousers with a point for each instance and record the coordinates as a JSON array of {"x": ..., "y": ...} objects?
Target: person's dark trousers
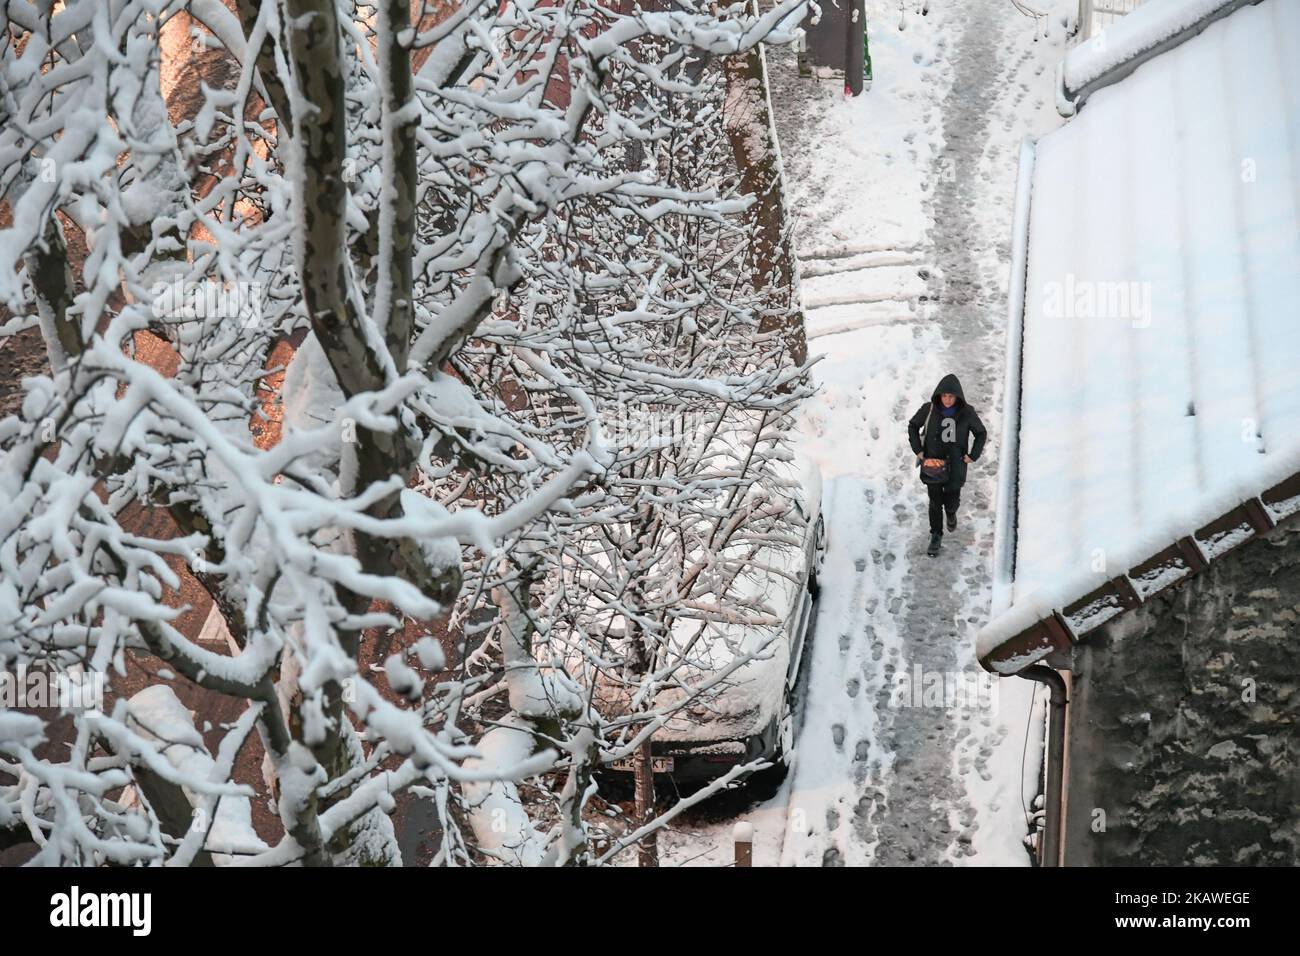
[{"x": 942, "y": 500}]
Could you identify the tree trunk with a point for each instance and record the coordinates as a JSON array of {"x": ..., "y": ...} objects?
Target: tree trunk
[
  {"x": 753, "y": 142},
  {"x": 647, "y": 850}
]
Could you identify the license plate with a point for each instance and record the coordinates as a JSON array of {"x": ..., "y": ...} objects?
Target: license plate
[{"x": 657, "y": 764}]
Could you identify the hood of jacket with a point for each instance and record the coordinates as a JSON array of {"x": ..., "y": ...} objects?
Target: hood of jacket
[{"x": 948, "y": 384}]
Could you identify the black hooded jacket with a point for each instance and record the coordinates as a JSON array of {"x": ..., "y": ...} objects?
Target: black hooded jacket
[{"x": 952, "y": 442}]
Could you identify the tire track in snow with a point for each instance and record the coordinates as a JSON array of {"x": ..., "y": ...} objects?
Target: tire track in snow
[{"x": 833, "y": 265}]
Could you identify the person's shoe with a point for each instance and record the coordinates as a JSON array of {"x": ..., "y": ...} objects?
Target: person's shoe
[
  {"x": 952, "y": 522},
  {"x": 935, "y": 541}
]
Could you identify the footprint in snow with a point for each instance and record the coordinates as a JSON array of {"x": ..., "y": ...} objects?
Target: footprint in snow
[{"x": 862, "y": 810}]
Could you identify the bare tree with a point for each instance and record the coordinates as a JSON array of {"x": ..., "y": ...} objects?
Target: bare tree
[
  {"x": 638, "y": 602},
  {"x": 392, "y": 215}
]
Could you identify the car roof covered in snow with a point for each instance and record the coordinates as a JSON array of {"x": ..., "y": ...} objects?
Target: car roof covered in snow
[
  {"x": 1158, "y": 419},
  {"x": 730, "y": 697}
]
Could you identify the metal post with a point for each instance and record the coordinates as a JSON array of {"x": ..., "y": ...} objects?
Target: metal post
[
  {"x": 1055, "y": 761},
  {"x": 743, "y": 834}
]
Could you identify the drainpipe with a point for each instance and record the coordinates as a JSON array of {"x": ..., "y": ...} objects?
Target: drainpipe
[{"x": 1044, "y": 674}]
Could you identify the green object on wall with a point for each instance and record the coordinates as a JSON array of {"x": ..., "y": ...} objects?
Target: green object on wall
[{"x": 866, "y": 57}]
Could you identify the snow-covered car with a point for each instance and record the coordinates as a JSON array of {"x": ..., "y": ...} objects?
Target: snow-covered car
[{"x": 748, "y": 714}]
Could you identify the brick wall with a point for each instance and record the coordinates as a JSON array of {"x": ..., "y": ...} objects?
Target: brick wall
[{"x": 1184, "y": 738}]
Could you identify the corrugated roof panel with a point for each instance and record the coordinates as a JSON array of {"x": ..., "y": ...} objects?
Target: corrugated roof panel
[{"x": 1162, "y": 316}]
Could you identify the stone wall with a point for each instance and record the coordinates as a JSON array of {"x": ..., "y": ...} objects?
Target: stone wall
[{"x": 1185, "y": 721}]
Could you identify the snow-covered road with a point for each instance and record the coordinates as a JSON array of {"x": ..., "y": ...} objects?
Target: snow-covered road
[{"x": 903, "y": 199}]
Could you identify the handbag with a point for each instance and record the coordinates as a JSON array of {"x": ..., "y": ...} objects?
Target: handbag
[{"x": 934, "y": 471}]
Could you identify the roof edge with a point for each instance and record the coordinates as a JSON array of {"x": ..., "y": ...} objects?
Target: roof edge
[
  {"x": 1004, "y": 511},
  {"x": 1032, "y": 628},
  {"x": 1121, "y": 48}
]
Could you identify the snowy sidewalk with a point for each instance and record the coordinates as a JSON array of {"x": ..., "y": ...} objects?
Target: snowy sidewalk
[
  {"x": 888, "y": 769},
  {"x": 903, "y": 200}
]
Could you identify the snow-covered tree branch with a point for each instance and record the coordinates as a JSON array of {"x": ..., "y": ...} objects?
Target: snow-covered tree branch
[{"x": 468, "y": 229}]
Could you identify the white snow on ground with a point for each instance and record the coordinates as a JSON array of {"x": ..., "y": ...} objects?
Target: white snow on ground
[
  {"x": 904, "y": 198},
  {"x": 157, "y": 713},
  {"x": 1160, "y": 333}
]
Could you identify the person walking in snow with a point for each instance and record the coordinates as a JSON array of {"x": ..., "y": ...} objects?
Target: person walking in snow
[{"x": 940, "y": 433}]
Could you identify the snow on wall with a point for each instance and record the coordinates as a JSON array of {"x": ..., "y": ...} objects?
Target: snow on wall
[
  {"x": 1160, "y": 335},
  {"x": 1097, "y": 15},
  {"x": 1133, "y": 34}
]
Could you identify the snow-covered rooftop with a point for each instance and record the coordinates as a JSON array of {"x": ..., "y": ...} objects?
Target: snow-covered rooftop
[
  {"x": 1160, "y": 384},
  {"x": 1131, "y": 29}
]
